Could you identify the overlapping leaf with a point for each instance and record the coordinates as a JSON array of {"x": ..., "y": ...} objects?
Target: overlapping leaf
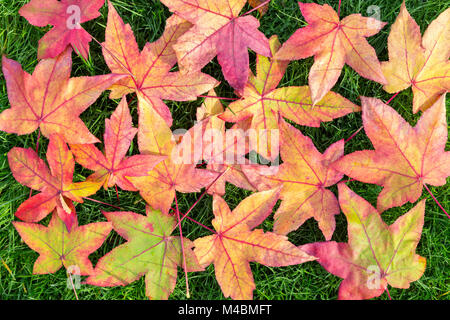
[
  {"x": 376, "y": 255},
  {"x": 405, "y": 158},
  {"x": 420, "y": 63},
  {"x": 304, "y": 175},
  {"x": 66, "y": 17},
  {"x": 112, "y": 167},
  {"x": 218, "y": 30},
  {"x": 264, "y": 103},
  {"x": 55, "y": 184},
  {"x": 176, "y": 173},
  {"x": 50, "y": 100},
  {"x": 235, "y": 244},
  {"x": 223, "y": 150},
  {"x": 150, "y": 249},
  {"x": 149, "y": 70},
  {"x": 333, "y": 43},
  {"x": 57, "y": 247}
]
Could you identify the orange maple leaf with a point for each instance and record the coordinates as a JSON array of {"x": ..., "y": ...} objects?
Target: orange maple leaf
[
  {"x": 57, "y": 247},
  {"x": 264, "y": 103},
  {"x": 55, "y": 184},
  {"x": 112, "y": 167},
  {"x": 218, "y": 30},
  {"x": 235, "y": 244},
  {"x": 304, "y": 175},
  {"x": 149, "y": 70},
  {"x": 50, "y": 100},
  {"x": 405, "y": 159}
]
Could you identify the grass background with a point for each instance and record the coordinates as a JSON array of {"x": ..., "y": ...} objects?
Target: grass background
[{"x": 19, "y": 40}]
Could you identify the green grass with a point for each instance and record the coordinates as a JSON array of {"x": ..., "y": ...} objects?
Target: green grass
[{"x": 18, "y": 41}]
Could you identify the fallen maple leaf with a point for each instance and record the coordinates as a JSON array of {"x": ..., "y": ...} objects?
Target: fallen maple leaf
[
  {"x": 419, "y": 62},
  {"x": 57, "y": 247},
  {"x": 50, "y": 100},
  {"x": 223, "y": 150},
  {"x": 376, "y": 254},
  {"x": 304, "y": 175},
  {"x": 112, "y": 167},
  {"x": 333, "y": 43},
  {"x": 149, "y": 70},
  {"x": 178, "y": 171},
  {"x": 66, "y": 17},
  {"x": 235, "y": 244},
  {"x": 405, "y": 158},
  {"x": 150, "y": 249},
  {"x": 264, "y": 103},
  {"x": 218, "y": 30},
  {"x": 55, "y": 184},
  {"x": 257, "y": 4}
]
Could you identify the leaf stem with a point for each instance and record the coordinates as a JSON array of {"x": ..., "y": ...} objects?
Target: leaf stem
[
  {"x": 354, "y": 134},
  {"x": 73, "y": 287},
  {"x": 257, "y": 7},
  {"x": 392, "y": 98},
  {"x": 339, "y": 9},
  {"x": 182, "y": 247},
  {"x": 389, "y": 295},
  {"x": 203, "y": 194},
  {"x": 117, "y": 194},
  {"x": 215, "y": 97},
  {"x": 101, "y": 202},
  {"x": 435, "y": 200}
]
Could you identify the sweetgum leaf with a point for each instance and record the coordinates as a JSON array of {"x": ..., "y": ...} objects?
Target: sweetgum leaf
[
  {"x": 304, "y": 175},
  {"x": 50, "y": 100},
  {"x": 264, "y": 103},
  {"x": 235, "y": 244},
  {"x": 65, "y": 16},
  {"x": 150, "y": 250},
  {"x": 333, "y": 43},
  {"x": 376, "y": 255},
  {"x": 218, "y": 30},
  {"x": 112, "y": 167},
  {"x": 55, "y": 184},
  {"x": 420, "y": 63},
  {"x": 149, "y": 70},
  {"x": 57, "y": 247},
  {"x": 405, "y": 158}
]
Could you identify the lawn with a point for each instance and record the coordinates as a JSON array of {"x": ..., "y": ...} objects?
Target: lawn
[{"x": 18, "y": 41}]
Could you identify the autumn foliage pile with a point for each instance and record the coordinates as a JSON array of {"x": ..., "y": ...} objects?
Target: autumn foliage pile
[{"x": 405, "y": 159}]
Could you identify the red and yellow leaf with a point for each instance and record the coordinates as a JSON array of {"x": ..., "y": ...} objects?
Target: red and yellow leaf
[
  {"x": 420, "y": 63},
  {"x": 333, "y": 43},
  {"x": 376, "y": 255},
  {"x": 218, "y": 30},
  {"x": 150, "y": 250},
  {"x": 235, "y": 244},
  {"x": 405, "y": 158},
  {"x": 57, "y": 247},
  {"x": 66, "y": 17},
  {"x": 55, "y": 184},
  {"x": 112, "y": 167},
  {"x": 264, "y": 103},
  {"x": 149, "y": 70},
  {"x": 50, "y": 100},
  {"x": 304, "y": 175}
]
